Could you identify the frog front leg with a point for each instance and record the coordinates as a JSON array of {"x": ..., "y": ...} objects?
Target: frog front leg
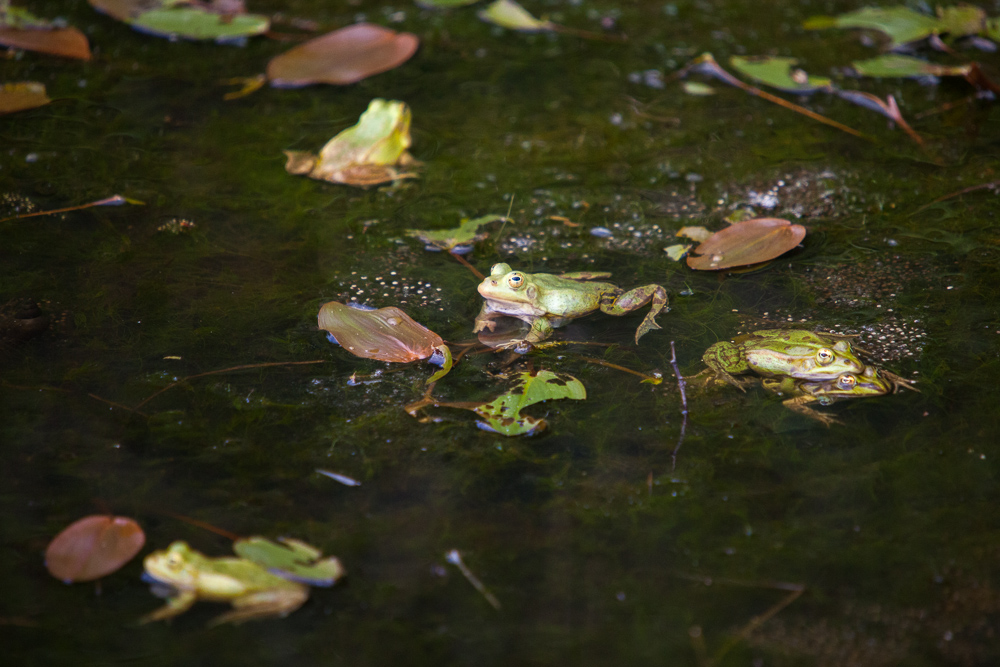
[
  {"x": 622, "y": 303},
  {"x": 485, "y": 320},
  {"x": 174, "y": 606}
]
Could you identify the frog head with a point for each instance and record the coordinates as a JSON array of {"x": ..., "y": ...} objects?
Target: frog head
[
  {"x": 508, "y": 286},
  {"x": 176, "y": 565}
]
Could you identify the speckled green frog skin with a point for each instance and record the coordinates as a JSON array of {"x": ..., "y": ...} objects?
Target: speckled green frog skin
[
  {"x": 803, "y": 394},
  {"x": 544, "y": 300},
  {"x": 793, "y": 353},
  {"x": 250, "y": 588}
]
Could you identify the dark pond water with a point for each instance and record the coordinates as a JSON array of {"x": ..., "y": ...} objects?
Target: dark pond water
[{"x": 597, "y": 547}]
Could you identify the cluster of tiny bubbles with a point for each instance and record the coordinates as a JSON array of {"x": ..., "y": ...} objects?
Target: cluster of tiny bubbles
[
  {"x": 388, "y": 288},
  {"x": 176, "y": 226},
  {"x": 13, "y": 204},
  {"x": 803, "y": 194},
  {"x": 873, "y": 283}
]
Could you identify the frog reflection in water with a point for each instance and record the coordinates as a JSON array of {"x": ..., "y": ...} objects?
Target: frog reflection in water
[
  {"x": 792, "y": 353},
  {"x": 870, "y": 382},
  {"x": 545, "y": 300},
  {"x": 251, "y": 589}
]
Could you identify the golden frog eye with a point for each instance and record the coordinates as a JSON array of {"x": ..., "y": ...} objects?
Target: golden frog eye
[
  {"x": 847, "y": 381},
  {"x": 824, "y": 356},
  {"x": 515, "y": 280}
]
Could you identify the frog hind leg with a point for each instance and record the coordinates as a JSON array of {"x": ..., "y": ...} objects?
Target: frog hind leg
[
  {"x": 174, "y": 606},
  {"x": 622, "y": 303},
  {"x": 280, "y": 602},
  {"x": 724, "y": 358},
  {"x": 800, "y": 404}
]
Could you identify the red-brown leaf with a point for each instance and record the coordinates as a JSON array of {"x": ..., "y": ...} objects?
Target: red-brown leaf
[
  {"x": 747, "y": 242},
  {"x": 65, "y": 42},
  {"x": 341, "y": 57},
  {"x": 93, "y": 547},
  {"x": 387, "y": 334}
]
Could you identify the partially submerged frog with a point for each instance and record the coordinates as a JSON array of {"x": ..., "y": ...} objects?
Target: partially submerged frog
[
  {"x": 252, "y": 590},
  {"x": 544, "y": 300},
  {"x": 792, "y": 353},
  {"x": 870, "y": 382}
]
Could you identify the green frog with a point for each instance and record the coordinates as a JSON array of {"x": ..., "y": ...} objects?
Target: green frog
[
  {"x": 793, "y": 353},
  {"x": 803, "y": 393},
  {"x": 544, "y": 300},
  {"x": 250, "y": 588}
]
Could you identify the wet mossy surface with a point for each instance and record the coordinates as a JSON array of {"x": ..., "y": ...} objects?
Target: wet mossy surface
[{"x": 597, "y": 547}]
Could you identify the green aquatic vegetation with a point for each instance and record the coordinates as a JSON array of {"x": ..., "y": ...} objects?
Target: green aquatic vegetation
[
  {"x": 290, "y": 558},
  {"x": 779, "y": 72},
  {"x": 455, "y": 239},
  {"x": 903, "y": 25},
  {"x": 172, "y": 19},
  {"x": 503, "y": 414}
]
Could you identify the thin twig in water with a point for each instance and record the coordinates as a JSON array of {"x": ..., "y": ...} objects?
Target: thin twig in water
[
  {"x": 469, "y": 266},
  {"x": 684, "y": 406},
  {"x": 455, "y": 559},
  {"x": 227, "y": 370}
]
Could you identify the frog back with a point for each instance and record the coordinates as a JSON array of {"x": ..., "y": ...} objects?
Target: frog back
[{"x": 567, "y": 298}]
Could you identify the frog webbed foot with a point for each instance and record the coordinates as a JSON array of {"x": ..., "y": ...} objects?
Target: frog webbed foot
[{"x": 637, "y": 298}]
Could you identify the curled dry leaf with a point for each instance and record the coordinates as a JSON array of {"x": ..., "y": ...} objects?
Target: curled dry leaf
[
  {"x": 744, "y": 243},
  {"x": 363, "y": 155},
  {"x": 386, "y": 334},
  {"x": 341, "y": 57},
  {"x": 93, "y": 547}
]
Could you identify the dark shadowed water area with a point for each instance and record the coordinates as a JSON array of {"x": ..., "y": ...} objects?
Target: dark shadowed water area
[{"x": 599, "y": 547}]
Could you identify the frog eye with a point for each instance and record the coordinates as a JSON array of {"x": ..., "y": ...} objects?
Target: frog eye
[
  {"x": 515, "y": 280},
  {"x": 847, "y": 381},
  {"x": 824, "y": 356}
]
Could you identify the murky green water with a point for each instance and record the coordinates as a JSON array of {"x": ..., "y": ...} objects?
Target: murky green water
[{"x": 596, "y": 547}]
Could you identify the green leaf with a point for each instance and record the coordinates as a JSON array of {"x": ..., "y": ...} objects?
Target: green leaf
[
  {"x": 508, "y": 14},
  {"x": 778, "y": 72},
  {"x": 196, "y": 23},
  {"x": 466, "y": 233},
  {"x": 892, "y": 65},
  {"x": 901, "y": 24},
  {"x": 503, "y": 414},
  {"x": 697, "y": 88},
  {"x": 291, "y": 559}
]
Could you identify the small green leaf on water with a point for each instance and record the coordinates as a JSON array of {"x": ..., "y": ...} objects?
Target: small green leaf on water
[
  {"x": 365, "y": 154},
  {"x": 508, "y": 14},
  {"x": 21, "y": 96},
  {"x": 196, "y": 23},
  {"x": 676, "y": 252},
  {"x": 745, "y": 243},
  {"x": 503, "y": 414},
  {"x": 893, "y": 65},
  {"x": 779, "y": 73},
  {"x": 697, "y": 88},
  {"x": 466, "y": 233},
  {"x": 901, "y": 24},
  {"x": 291, "y": 559}
]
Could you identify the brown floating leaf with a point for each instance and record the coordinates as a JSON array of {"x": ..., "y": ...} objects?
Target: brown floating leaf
[
  {"x": 747, "y": 242},
  {"x": 93, "y": 547},
  {"x": 66, "y": 42},
  {"x": 387, "y": 334},
  {"x": 21, "y": 96},
  {"x": 341, "y": 57}
]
